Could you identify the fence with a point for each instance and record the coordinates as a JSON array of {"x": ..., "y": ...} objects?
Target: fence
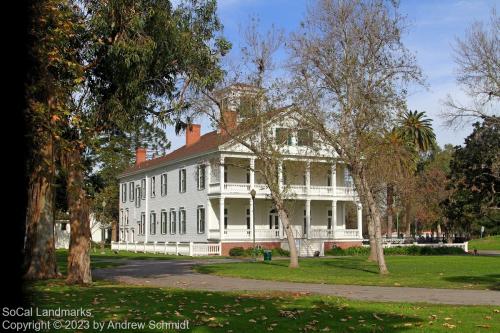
[
  {"x": 177, "y": 248},
  {"x": 464, "y": 246}
]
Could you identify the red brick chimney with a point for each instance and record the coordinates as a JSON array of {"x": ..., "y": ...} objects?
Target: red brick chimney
[
  {"x": 228, "y": 121},
  {"x": 140, "y": 155},
  {"x": 192, "y": 134}
]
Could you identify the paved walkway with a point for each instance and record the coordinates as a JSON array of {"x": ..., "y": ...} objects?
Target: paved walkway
[{"x": 179, "y": 274}]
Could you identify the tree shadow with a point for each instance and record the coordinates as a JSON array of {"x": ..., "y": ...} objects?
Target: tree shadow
[
  {"x": 490, "y": 281},
  {"x": 350, "y": 264},
  {"x": 220, "y": 312}
]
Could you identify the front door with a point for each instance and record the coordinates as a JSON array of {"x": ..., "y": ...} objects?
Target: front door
[{"x": 273, "y": 220}]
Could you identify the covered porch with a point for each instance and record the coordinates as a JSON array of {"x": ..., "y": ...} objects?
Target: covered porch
[{"x": 310, "y": 219}]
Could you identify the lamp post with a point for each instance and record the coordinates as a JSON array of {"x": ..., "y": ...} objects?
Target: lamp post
[{"x": 252, "y": 193}]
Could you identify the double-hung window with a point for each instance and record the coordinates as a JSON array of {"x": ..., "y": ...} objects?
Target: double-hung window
[
  {"x": 329, "y": 219},
  {"x": 143, "y": 188},
  {"x": 131, "y": 191},
  {"x": 182, "y": 180},
  {"x": 138, "y": 196},
  {"x": 142, "y": 224},
  {"x": 126, "y": 216},
  {"x": 163, "y": 183},
  {"x": 152, "y": 223},
  {"x": 124, "y": 192},
  {"x": 200, "y": 217},
  {"x": 182, "y": 221},
  {"x": 163, "y": 222},
  {"x": 173, "y": 222},
  {"x": 153, "y": 187},
  {"x": 201, "y": 177}
]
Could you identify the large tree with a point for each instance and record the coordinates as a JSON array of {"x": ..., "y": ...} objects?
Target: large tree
[
  {"x": 352, "y": 68},
  {"x": 130, "y": 64},
  {"x": 477, "y": 56},
  {"x": 475, "y": 181}
]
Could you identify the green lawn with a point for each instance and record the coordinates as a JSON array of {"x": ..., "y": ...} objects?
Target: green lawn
[
  {"x": 459, "y": 272},
  {"x": 486, "y": 243},
  {"x": 278, "y": 312}
]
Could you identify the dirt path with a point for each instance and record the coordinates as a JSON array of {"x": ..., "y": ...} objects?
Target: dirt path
[{"x": 179, "y": 274}]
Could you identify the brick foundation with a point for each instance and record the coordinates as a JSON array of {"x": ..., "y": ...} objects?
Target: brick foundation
[
  {"x": 342, "y": 245},
  {"x": 266, "y": 245}
]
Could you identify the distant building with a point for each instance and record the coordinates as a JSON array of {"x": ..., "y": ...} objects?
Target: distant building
[{"x": 100, "y": 233}]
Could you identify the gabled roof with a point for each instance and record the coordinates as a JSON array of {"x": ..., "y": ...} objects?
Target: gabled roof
[{"x": 207, "y": 142}]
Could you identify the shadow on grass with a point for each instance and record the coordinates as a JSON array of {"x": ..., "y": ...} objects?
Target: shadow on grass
[
  {"x": 490, "y": 281},
  {"x": 216, "y": 312},
  {"x": 355, "y": 264}
]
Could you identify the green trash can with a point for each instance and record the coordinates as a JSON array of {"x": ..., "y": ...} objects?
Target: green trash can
[{"x": 267, "y": 255}]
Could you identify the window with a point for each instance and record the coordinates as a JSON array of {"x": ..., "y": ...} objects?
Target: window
[
  {"x": 163, "y": 181},
  {"x": 283, "y": 136},
  {"x": 225, "y": 218},
  {"x": 126, "y": 216},
  {"x": 305, "y": 223},
  {"x": 182, "y": 180},
  {"x": 248, "y": 218},
  {"x": 200, "y": 218},
  {"x": 163, "y": 222},
  {"x": 124, "y": 192},
  {"x": 182, "y": 221},
  {"x": 329, "y": 178},
  {"x": 329, "y": 219},
  {"x": 248, "y": 175},
  {"x": 153, "y": 187},
  {"x": 142, "y": 224},
  {"x": 225, "y": 173},
  {"x": 120, "y": 218},
  {"x": 173, "y": 222},
  {"x": 152, "y": 223},
  {"x": 304, "y": 137},
  {"x": 201, "y": 177},
  {"x": 138, "y": 196},
  {"x": 131, "y": 191},
  {"x": 63, "y": 226},
  {"x": 143, "y": 188}
]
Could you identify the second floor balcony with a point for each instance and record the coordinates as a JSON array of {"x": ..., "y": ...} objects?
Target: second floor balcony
[{"x": 236, "y": 176}]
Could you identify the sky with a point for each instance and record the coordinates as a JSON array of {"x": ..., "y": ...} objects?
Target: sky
[{"x": 433, "y": 28}]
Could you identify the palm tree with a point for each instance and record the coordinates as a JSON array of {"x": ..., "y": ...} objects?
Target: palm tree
[{"x": 414, "y": 133}]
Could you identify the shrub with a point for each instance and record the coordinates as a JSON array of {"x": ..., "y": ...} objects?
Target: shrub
[
  {"x": 279, "y": 252},
  {"x": 237, "y": 252},
  {"x": 399, "y": 250}
]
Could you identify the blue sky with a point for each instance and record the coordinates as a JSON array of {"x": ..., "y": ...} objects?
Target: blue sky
[{"x": 434, "y": 25}]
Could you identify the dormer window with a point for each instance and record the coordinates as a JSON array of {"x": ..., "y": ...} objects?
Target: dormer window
[{"x": 283, "y": 136}]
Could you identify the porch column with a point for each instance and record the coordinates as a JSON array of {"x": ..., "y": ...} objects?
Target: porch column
[
  {"x": 308, "y": 218},
  {"x": 334, "y": 217},
  {"x": 221, "y": 173},
  {"x": 360, "y": 220},
  {"x": 146, "y": 204},
  {"x": 333, "y": 173},
  {"x": 208, "y": 214},
  {"x": 308, "y": 177},
  {"x": 251, "y": 218},
  {"x": 252, "y": 173},
  {"x": 208, "y": 171},
  {"x": 221, "y": 217}
]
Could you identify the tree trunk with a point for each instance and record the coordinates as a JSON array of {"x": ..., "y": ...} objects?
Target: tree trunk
[
  {"x": 39, "y": 247},
  {"x": 438, "y": 229},
  {"x": 78, "y": 205},
  {"x": 407, "y": 219},
  {"x": 375, "y": 216},
  {"x": 294, "y": 258},
  {"x": 371, "y": 236},
  {"x": 282, "y": 213},
  {"x": 390, "y": 202}
]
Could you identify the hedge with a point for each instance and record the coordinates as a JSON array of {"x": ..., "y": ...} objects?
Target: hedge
[
  {"x": 399, "y": 250},
  {"x": 249, "y": 252}
]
